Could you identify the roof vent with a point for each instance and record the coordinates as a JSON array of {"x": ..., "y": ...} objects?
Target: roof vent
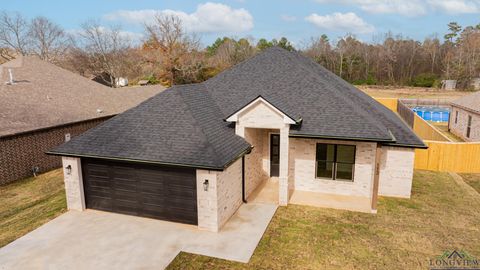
[
  {"x": 11, "y": 81},
  {"x": 99, "y": 111}
]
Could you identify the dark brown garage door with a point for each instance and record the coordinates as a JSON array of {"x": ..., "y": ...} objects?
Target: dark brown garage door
[{"x": 141, "y": 190}]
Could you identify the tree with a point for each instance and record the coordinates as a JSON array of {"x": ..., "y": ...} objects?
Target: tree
[
  {"x": 106, "y": 50},
  {"x": 14, "y": 35},
  {"x": 454, "y": 29},
  {"x": 263, "y": 44},
  {"x": 169, "y": 46},
  {"x": 49, "y": 40},
  {"x": 283, "y": 43}
]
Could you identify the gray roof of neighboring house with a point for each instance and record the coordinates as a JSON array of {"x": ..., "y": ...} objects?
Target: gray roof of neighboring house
[
  {"x": 185, "y": 124},
  {"x": 45, "y": 95},
  {"x": 470, "y": 102}
]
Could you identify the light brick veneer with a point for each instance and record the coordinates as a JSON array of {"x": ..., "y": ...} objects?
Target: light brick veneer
[
  {"x": 254, "y": 173},
  {"x": 302, "y": 169},
  {"x": 262, "y": 116},
  {"x": 73, "y": 183},
  {"x": 223, "y": 198},
  {"x": 460, "y": 128},
  {"x": 396, "y": 171}
]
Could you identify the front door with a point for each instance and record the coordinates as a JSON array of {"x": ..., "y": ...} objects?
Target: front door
[{"x": 274, "y": 154}]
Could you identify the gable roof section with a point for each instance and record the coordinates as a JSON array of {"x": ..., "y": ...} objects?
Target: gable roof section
[
  {"x": 234, "y": 116},
  {"x": 328, "y": 106},
  {"x": 470, "y": 102},
  {"x": 45, "y": 95},
  {"x": 185, "y": 125},
  {"x": 181, "y": 126}
]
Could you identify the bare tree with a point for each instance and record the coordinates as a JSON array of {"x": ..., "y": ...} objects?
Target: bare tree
[
  {"x": 49, "y": 40},
  {"x": 14, "y": 35},
  {"x": 106, "y": 50}
]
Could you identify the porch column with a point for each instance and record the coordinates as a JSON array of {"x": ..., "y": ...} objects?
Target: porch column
[{"x": 283, "y": 172}]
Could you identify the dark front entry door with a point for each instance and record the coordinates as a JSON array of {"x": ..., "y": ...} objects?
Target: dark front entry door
[
  {"x": 274, "y": 154},
  {"x": 142, "y": 190}
]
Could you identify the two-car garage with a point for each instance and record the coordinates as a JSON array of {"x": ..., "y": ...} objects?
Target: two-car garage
[{"x": 145, "y": 190}]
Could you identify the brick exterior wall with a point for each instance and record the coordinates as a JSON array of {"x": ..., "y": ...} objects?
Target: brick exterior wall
[
  {"x": 302, "y": 169},
  {"x": 396, "y": 171},
  {"x": 20, "y": 153},
  {"x": 460, "y": 128},
  {"x": 260, "y": 115},
  {"x": 254, "y": 173},
  {"x": 223, "y": 198}
]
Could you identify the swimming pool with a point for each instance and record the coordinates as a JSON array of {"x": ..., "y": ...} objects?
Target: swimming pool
[{"x": 432, "y": 113}]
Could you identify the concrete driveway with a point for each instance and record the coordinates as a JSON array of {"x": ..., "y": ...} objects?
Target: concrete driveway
[{"x": 101, "y": 240}]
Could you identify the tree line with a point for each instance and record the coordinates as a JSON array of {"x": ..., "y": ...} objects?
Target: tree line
[{"x": 168, "y": 54}]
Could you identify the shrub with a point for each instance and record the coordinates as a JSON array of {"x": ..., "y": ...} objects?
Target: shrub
[
  {"x": 424, "y": 80},
  {"x": 370, "y": 80}
]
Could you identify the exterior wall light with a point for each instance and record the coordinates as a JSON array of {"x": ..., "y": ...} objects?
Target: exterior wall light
[
  {"x": 68, "y": 169},
  {"x": 205, "y": 185}
]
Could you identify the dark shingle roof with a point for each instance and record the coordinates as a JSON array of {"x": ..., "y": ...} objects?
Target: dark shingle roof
[
  {"x": 45, "y": 95},
  {"x": 181, "y": 126},
  {"x": 184, "y": 124}
]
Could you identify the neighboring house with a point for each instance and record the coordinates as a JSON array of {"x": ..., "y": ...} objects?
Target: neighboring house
[
  {"x": 42, "y": 106},
  {"x": 194, "y": 153},
  {"x": 104, "y": 78},
  {"x": 465, "y": 117}
]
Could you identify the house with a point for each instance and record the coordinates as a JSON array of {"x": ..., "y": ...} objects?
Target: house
[
  {"x": 194, "y": 153},
  {"x": 105, "y": 79},
  {"x": 465, "y": 117},
  {"x": 42, "y": 106}
]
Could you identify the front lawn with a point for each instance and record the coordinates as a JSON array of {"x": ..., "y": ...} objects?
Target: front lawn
[
  {"x": 29, "y": 203},
  {"x": 404, "y": 234},
  {"x": 473, "y": 179}
]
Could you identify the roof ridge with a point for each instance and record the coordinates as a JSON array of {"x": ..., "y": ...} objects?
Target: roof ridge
[
  {"x": 194, "y": 116},
  {"x": 358, "y": 109}
]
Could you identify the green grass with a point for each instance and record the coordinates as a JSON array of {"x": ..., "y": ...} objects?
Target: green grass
[
  {"x": 473, "y": 179},
  {"x": 404, "y": 234},
  {"x": 29, "y": 203}
]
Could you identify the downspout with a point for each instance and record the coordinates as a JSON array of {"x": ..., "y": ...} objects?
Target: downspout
[
  {"x": 243, "y": 180},
  {"x": 376, "y": 178}
]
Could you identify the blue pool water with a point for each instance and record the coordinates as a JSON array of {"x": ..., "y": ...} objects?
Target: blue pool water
[{"x": 432, "y": 113}]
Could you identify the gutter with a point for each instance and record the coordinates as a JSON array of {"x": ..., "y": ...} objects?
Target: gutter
[
  {"x": 244, "y": 199},
  {"x": 298, "y": 135},
  {"x": 407, "y": 145},
  {"x": 184, "y": 165},
  {"x": 104, "y": 117}
]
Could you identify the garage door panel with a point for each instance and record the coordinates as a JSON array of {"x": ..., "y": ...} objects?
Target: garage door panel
[
  {"x": 139, "y": 189},
  {"x": 149, "y": 187},
  {"x": 125, "y": 195},
  {"x": 101, "y": 203},
  {"x": 124, "y": 184}
]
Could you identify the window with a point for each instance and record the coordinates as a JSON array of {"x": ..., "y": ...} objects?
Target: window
[
  {"x": 335, "y": 161},
  {"x": 469, "y": 125},
  {"x": 456, "y": 116}
]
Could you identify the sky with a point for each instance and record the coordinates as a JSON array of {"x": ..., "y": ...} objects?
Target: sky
[{"x": 297, "y": 20}]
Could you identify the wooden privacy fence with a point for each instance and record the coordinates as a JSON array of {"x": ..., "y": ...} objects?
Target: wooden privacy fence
[
  {"x": 449, "y": 157},
  {"x": 442, "y": 154}
]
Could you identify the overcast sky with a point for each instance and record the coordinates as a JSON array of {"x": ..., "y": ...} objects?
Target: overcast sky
[{"x": 297, "y": 20}]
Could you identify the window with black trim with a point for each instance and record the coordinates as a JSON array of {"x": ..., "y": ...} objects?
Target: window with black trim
[
  {"x": 456, "y": 117},
  {"x": 335, "y": 161},
  {"x": 469, "y": 125}
]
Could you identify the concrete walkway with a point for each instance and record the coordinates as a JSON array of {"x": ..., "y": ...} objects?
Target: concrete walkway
[{"x": 101, "y": 240}]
